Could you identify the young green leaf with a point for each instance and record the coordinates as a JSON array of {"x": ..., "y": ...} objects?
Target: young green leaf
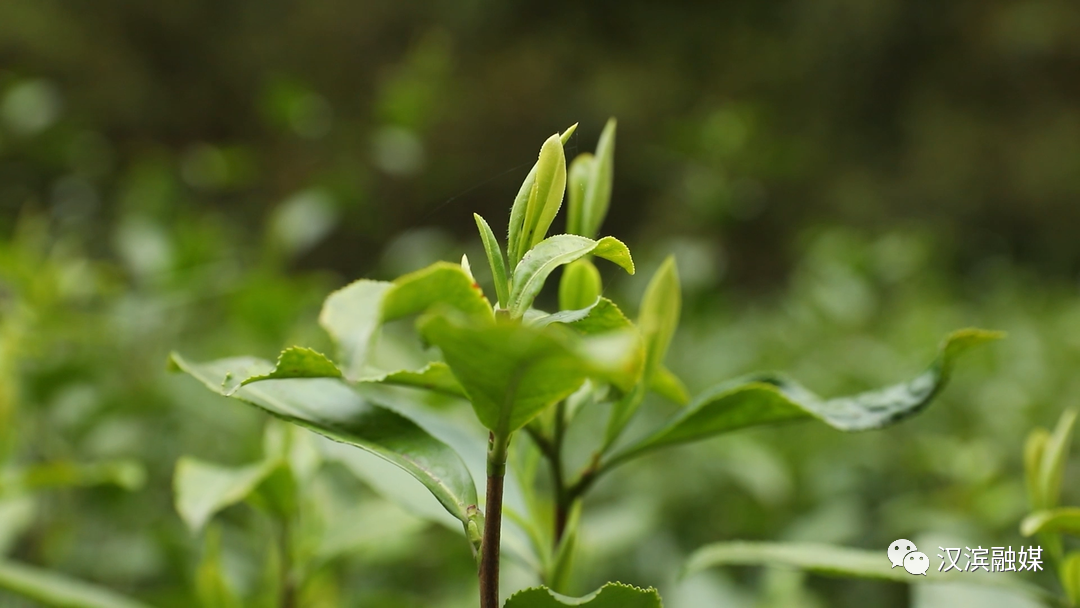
[
  {"x": 665, "y": 383},
  {"x": 611, "y": 595},
  {"x": 765, "y": 399},
  {"x": 518, "y": 211},
  {"x": 353, "y": 314},
  {"x": 659, "y": 315},
  {"x": 512, "y": 372},
  {"x": 434, "y": 376},
  {"x": 577, "y": 182},
  {"x": 331, "y": 408},
  {"x": 202, "y": 489},
  {"x": 562, "y": 563},
  {"x": 54, "y": 589},
  {"x": 542, "y": 260},
  {"x": 495, "y": 260},
  {"x": 580, "y": 285},
  {"x": 598, "y": 192},
  {"x": 293, "y": 362},
  {"x": 1033, "y": 453},
  {"x": 1054, "y": 455},
  {"x": 547, "y": 193},
  {"x": 1061, "y": 519}
]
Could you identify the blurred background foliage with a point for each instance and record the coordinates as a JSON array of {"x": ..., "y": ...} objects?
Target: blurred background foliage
[{"x": 842, "y": 183}]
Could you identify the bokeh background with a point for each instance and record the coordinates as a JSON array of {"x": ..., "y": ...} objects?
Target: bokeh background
[{"x": 842, "y": 183}]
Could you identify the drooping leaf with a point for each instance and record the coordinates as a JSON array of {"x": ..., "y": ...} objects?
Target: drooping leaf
[
  {"x": 495, "y": 260},
  {"x": 202, "y": 489},
  {"x": 353, "y": 314},
  {"x": 58, "y": 591},
  {"x": 611, "y": 595},
  {"x": 829, "y": 560},
  {"x": 577, "y": 183},
  {"x": 545, "y": 257},
  {"x": 598, "y": 193},
  {"x": 512, "y": 372},
  {"x": 514, "y": 239},
  {"x": 331, "y": 408},
  {"x": 1054, "y": 455},
  {"x": 1060, "y": 519},
  {"x": 768, "y": 398},
  {"x": 580, "y": 285}
]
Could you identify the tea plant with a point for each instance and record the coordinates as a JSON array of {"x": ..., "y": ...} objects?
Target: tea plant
[{"x": 524, "y": 369}]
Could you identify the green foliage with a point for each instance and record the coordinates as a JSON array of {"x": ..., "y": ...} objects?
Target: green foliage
[{"x": 58, "y": 591}]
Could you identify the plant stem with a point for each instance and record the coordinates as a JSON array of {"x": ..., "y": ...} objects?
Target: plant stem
[
  {"x": 288, "y": 580},
  {"x": 489, "y": 547}
]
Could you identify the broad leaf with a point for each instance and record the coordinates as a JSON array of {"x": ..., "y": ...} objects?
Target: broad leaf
[
  {"x": 611, "y": 595},
  {"x": 54, "y": 589},
  {"x": 353, "y": 314},
  {"x": 495, "y": 260},
  {"x": 512, "y": 372},
  {"x": 580, "y": 285},
  {"x": 202, "y": 489},
  {"x": 1061, "y": 519},
  {"x": 330, "y": 407},
  {"x": 518, "y": 211},
  {"x": 828, "y": 560},
  {"x": 765, "y": 399},
  {"x": 534, "y": 269}
]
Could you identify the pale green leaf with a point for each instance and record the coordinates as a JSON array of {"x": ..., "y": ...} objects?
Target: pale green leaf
[
  {"x": 580, "y": 285},
  {"x": 1061, "y": 519},
  {"x": 545, "y": 257},
  {"x": 1033, "y": 452},
  {"x": 666, "y": 384},
  {"x": 495, "y": 260},
  {"x": 611, "y": 595},
  {"x": 659, "y": 315},
  {"x": 57, "y": 590},
  {"x": 202, "y": 489},
  {"x": 598, "y": 193},
  {"x": 829, "y": 560},
  {"x": 211, "y": 584},
  {"x": 521, "y": 202},
  {"x": 330, "y": 407},
  {"x": 352, "y": 315},
  {"x": 546, "y": 196},
  {"x": 1070, "y": 577},
  {"x": 577, "y": 180},
  {"x": 512, "y": 372},
  {"x": 1054, "y": 455},
  {"x": 767, "y": 398}
]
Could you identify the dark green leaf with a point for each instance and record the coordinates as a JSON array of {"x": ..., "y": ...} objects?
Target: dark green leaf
[
  {"x": 330, "y": 407},
  {"x": 56, "y": 590},
  {"x": 611, "y": 595},
  {"x": 765, "y": 399},
  {"x": 495, "y": 260}
]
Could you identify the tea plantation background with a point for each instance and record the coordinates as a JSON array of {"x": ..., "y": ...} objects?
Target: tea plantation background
[{"x": 841, "y": 182}]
